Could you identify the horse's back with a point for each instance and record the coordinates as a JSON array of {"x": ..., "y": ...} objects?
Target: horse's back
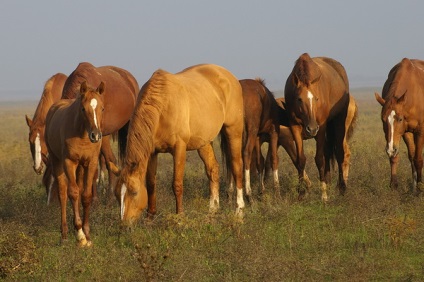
[{"x": 334, "y": 67}]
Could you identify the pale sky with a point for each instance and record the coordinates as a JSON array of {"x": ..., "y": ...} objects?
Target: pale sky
[{"x": 249, "y": 38}]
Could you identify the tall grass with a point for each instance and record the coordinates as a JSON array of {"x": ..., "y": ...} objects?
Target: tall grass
[{"x": 371, "y": 233}]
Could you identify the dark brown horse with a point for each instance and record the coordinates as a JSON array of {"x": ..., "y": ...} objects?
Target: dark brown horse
[
  {"x": 402, "y": 115},
  {"x": 176, "y": 113},
  {"x": 51, "y": 94},
  {"x": 73, "y": 135},
  {"x": 260, "y": 118},
  {"x": 318, "y": 100}
]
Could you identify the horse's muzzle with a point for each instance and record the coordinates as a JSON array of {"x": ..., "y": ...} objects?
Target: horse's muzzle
[
  {"x": 95, "y": 137},
  {"x": 312, "y": 131}
]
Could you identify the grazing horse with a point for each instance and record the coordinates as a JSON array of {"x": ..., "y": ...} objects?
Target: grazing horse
[
  {"x": 318, "y": 100},
  {"x": 73, "y": 135},
  {"x": 402, "y": 115},
  {"x": 176, "y": 113},
  {"x": 51, "y": 94},
  {"x": 260, "y": 118}
]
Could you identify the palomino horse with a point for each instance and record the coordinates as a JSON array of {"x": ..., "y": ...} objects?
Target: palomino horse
[
  {"x": 73, "y": 135},
  {"x": 176, "y": 113},
  {"x": 119, "y": 101},
  {"x": 260, "y": 118},
  {"x": 318, "y": 100},
  {"x": 51, "y": 94},
  {"x": 402, "y": 116}
]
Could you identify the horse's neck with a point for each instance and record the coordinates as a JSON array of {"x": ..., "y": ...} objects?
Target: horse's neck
[{"x": 43, "y": 107}]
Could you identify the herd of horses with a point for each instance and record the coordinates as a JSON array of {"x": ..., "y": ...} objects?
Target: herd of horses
[{"x": 70, "y": 133}]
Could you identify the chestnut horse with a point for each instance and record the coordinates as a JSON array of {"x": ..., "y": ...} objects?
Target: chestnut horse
[
  {"x": 176, "y": 113},
  {"x": 318, "y": 100},
  {"x": 402, "y": 111},
  {"x": 73, "y": 135},
  {"x": 119, "y": 101},
  {"x": 51, "y": 94},
  {"x": 260, "y": 118}
]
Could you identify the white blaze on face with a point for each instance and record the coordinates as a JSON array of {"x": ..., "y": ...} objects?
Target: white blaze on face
[
  {"x": 123, "y": 191},
  {"x": 37, "y": 156},
  {"x": 310, "y": 97},
  {"x": 93, "y": 104},
  {"x": 391, "y": 120}
]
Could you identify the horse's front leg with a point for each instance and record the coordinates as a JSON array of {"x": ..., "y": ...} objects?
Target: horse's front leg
[
  {"x": 60, "y": 179},
  {"x": 418, "y": 161},
  {"x": 274, "y": 158},
  {"x": 323, "y": 163},
  {"x": 408, "y": 138},
  {"x": 247, "y": 159},
  {"x": 87, "y": 198},
  {"x": 74, "y": 195},
  {"x": 207, "y": 155},
  {"x": 179, "y": 154},
  {"x": 300, "y": 163},
  {"x": 151, "y": 185}
]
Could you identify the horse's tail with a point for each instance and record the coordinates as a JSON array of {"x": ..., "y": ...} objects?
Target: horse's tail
[
  {"x": 122, "y": 142},
  {"x": 354, "y": 119},
  {"x": 225, "y": 155}
]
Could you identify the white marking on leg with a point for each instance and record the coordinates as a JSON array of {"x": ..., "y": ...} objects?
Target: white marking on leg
[
  {"x": 247, "y": 182},
  {"x": 81, "y": 235},
  {"x": 93, "y": 104},
  {"x": 276, "y": 180},
  {"x": 391, "y": 120},
  {"x": 123, "y": 191},
  {"x": 240, "y": 202},
  {"x": 37, "y": 157},
  {"x": 324, "y": 196},
  {"x": 214, "y": 203}
]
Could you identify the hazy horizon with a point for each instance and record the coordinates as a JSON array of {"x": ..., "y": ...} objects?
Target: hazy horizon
[{"x": 249, "y": 38}]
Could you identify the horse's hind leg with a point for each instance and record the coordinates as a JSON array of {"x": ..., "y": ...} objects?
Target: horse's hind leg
[
  {"x": 207, "y": 155},
  {"x": 107, "y": 153},
  {"x": 247, "y": 158}
]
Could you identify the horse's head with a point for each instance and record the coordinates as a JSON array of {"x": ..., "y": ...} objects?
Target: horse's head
[
  {"x": 306, "y": 104},
  {"x": 393, "y": 116},
  {"x": 92, "y": 108},
  {"x": 131, "y": 193},
  {"x": 37, "y": 145}
]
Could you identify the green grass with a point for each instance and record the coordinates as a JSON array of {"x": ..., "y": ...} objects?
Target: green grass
[{"x": 371, "y": 233}]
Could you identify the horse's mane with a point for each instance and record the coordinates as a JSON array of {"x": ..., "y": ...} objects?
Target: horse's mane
[
  {"x": 45, "y": 103},
  {"x": 145, "y": 118},
  {"x": 306, "y": 70}
]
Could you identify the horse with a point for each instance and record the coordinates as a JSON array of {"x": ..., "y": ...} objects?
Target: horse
[
  {"x": 402, "y": 116},
  {"x": 318, "y": 100},
  {"x": 285, "y": 140},
  {"x": 176, "y": 113},
  {"x": 73, "y": 138},
  {"x": 261, "y": 118},
  {"x": 119, "y": 101},
  {"x": 51, "y": 93}
]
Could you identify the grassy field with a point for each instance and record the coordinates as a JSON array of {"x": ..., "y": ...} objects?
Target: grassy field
[{"x": 371, "y": 233}]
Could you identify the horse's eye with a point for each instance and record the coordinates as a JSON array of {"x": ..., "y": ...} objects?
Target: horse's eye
[
  {"x": 82, "y": 109},
  {"x": 299, "y": 100},
  {"x": 103, "y": 109}
]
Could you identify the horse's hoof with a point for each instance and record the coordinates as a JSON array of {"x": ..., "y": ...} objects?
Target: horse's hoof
[{"x": 82, "y": 243}]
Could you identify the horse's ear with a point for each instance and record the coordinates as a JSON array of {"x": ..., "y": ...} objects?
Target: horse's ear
[
  {"x": 295, "y": 80},
  {"x": 83, "y": 87},
  {"x": 114, "y": 169},
  {"x": 28, "y": 121},
  {"x": 316, "y": 79},
  {"x": 401, "y": 99},
  {"x": 379, "y": 99},
  {"x": 101, "y": 88}
]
